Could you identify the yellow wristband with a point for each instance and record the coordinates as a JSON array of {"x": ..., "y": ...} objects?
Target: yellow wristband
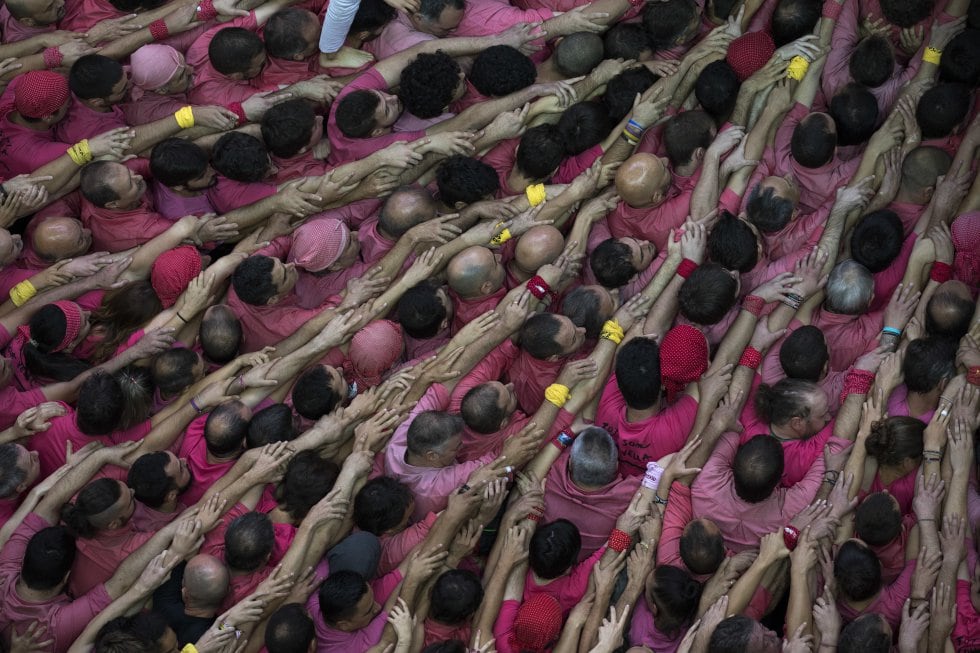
[
  {"x": 501, "y": 238},
  {"x": 933, "y": 56},
  {"x": 22, "y": 292},
  {"x": 557, "y": 394},
  {"x": 797, "y": 68},
  {"x": 80, "y": 153},
  {"x": 536, "y": 194},
  {"x": 189, "y": 648},
  {"x": 612, "y": 331},
  {"x": 185, "y": 117}
]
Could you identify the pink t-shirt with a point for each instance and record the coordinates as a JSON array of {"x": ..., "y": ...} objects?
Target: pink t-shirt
[
  {"x": 210, "y": 86},
  {"x": 116, "y": 231},
  {"x": 228, "y": 194},
  {"x": 13, "y": 30},
  {"x": 888, "y": 279},
  {"x": 395, "y": 548},
  {"x": 644, "y": 631},
  {"x": 849, "y": 335},
  {"x": 204, "y": 472},
  {"x": 568, "y": 589},
  {"x": 465, "y": 310},
  {"x": 24, "y": 150},
  {"x": 13, "y": 402},
  {"x": 651, "y": 223},
  {"x": 85, "y": 122},
  {"x": 889, "y": 601},
  {"x": 398, "y": 35},
  {"x": 99, "y": 557},
  {"x": 898, "y": 404},
  {"x": 173, "y": 206},
  {"x": 152, "y": 106},
  {"x": 330, "y": 640},
  {"x": 486, "y": 17},
  {"x": 374, "y": 245}
]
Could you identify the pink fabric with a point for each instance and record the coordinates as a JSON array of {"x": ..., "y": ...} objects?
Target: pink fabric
[
  {"x": 437, "y": 632},
  {"x": 151, "y": 107},
  {"x": 644, "y": 631},
  {"x": 24, "y": 150},
  {"x": 312, "y": 291},
  {"x": 283, "y": 71},
  {"x": 593, "y": 512},
  {"x": 84, "y": 122},
  {"x": 889, "y": 601},
  {"x": 851, "y": 335},
  {"x": 568, "y": 589},
  {"x": 647, "y": 440},
  {"x": 374, "y": 245},
  {"x": 467, "y": 310},
  {"x": 330, "y": 639},
  {"x": 398, "y": 35},
  {"x": 99, "y": 557},
  {"x": 676, "y": 518},
  {"x": 892, "y": 554},
  {"x": 651, "y": 223},
  {"x": 173, "y": 206},
  {"x": 116, "y": 231},
  {"x": 395, "y": 548},
  {"x": 228, "y": 195},
  {"x": 908, "y": 213},
  {"x": 205, "y": 473},
  {"x": 13, "y": 30},
  {"x": 301, "y": 165},
  {"x": 772, "y": 371},
  {"x": 530, "y": 377},
  {"x": 888, "y": 279},
  {"x": 150, "y": 520},
  {"x": 486, "y": 17},
  {"x": 13, "y": 402},
  {"x": 966, "y": 632},
  {"x": 211, "y": 87}
]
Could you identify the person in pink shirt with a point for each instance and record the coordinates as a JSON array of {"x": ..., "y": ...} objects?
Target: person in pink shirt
[
  {"x": 20, "y": 470},
  {"x": 385, "y": 507},
  {"x": 863, "y": 593},
  {"x": 117, "y": 208},
  {"x": 433, "y": 20},
  {"x": 211, "y": 445},
  {"x": 927, "y": 367},
  {"x": 804, "y": 354},
  {"x": 899, "y": 17},
  {"x": 548, "y": 341},
  {"x": 158, "y": 480},
  {"x": 476, "y": 283},
  {"x": 651, "y": 204},
  {"x": 425, "y": 313},
  {"x": 879, "y": 523},
  {"x": 402, "y": 210}
]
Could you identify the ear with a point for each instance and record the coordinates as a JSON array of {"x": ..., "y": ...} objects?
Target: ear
[
  {"x": 20, "y": 489},
  {"x": 171, "y": 496},
  {"x": 797, "y": 423},
  {"x": 486, "y": 288},
  {"x": 275, "y": 299},
  {"x": 698, "y": 155},
  {"x": 29, "y": 22},
  {"x": 459, "y": 206},
  {"x": 377, "y": 131},
  {"x": 114, "y": 204},
  {"x": 927, "y": 194}
]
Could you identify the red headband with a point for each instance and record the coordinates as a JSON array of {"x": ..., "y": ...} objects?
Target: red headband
[{"x": 73, "y": 323}]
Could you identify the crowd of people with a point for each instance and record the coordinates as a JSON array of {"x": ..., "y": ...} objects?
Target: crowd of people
[{"x": 475, "y": 326}]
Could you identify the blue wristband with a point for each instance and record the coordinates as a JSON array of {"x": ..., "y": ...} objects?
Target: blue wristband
[{"x": 892, "y": 331}]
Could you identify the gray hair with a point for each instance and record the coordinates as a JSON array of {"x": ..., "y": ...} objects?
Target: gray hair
[
  {"x": 11, "y": 475},
  {"x": 594, "y": 458},
  {"x": 849, "y": 288}
]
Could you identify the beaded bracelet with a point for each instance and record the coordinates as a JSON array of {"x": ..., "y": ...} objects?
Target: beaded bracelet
[
  {"x": 159, "y": 30},
  {"x": 751, "y": 358},
  {"x": 52, "y": 57},
  {"x": 619, "y": 540}
]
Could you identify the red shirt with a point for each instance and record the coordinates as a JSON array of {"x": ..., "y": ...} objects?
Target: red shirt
[
  {"x": 85, "y": 122},
  {"x": 24, "y": 150},
  {"x": 210, "y": 86}
]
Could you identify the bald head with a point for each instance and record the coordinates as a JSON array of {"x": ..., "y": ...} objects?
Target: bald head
[
  {"x": 922, "y": 167},
  {"x": 539, "y": 246},
  {"x": 220, "y": 334},
  {"x": 470, "y": 271},
  {"x": 60, "y": 238},
  {"x": 206, "y": 581},
  {"x": 642, "y": 180},
  {"x": 404, "y": 209}
]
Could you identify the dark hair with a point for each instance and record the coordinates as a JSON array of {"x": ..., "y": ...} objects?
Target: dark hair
[
  {"x": 554, "y": 548},
  {"x": 240, "y": 157},
  {"x": 381, "y": 504},
  {"x": 872, "y": 61},
  {"x": 906, "y": 13},
  {"x": 420, "y": 310},
  {"x": 355, "y": 114},
  {"x": 577, "y": 54},
  {"x": 93, "y": 76},
  {"x": 804, "y": 353},
  {"x": 625, "y": 41},
  {"x": 941, "y": 109},
  {"x": 220, "y": 334},
  {"x": 877, "y": 240},
  {"x": 928, "y": 362},
  {"x": 252, "y": 280},
  {"x": 177, "y": 161},
  {"x": 955, "y": 320},
  {"x": 248, "y": 541},
  {"x": 540, "y": 152},
  {"x": 685, "y": 133},
  {"x": 501, "y": 70},
  {"x": 961, "y": 58},
  {"x": 94, "y": 185},
  {"x": 666, "y": 22},
  {"x": 313, "y": 395},
  {"x": 47, "y": 330},
  {"x": 877, "y": 519},
  {"x": 455, "y": 597},
  {"x": 701, "y": 550},
  {"x": 612, "y": 263},
  {"x": 123, "y": 641},
  {"x": 813, "y": 142},
  {"x": 339, "y": 595},
  {"x": 638, "y": 372},
  {"x": 289, "y": 630},
  {"x": 232, "y": 50},
  {"x": 732, "y": 244},
  {"x": 621, "y": 91},
  {"x": 538, "y": 335},
  {"x": 121, "y": 313},
  {"x": 11, "y": 475},
  {"x": 271, "y": 424},
  {"x": 732, "y": 635},
  {"x": 288, "y": 127},
  {"x": 137, "y": 388},
  {"x": 225, "y": 428},
  {"x": 173, "y": 370},
  {"x": 100, "y": 404},
  {"x": 372, "y": 15},
  {"x": 757, "y": 468},
  {"x": 428, "y": 84},
  {"x": 480, "y": 410},
  {"x": 857, "y": 571},
  {"x": 465, "y": 179},
  {"x": 583, "y": 306},
  {"x": 767, "y": 211},
  {"x": 283, "y": 31},
  {"x": 721, "y": 9},
  {"x": 855, "y": 112},
  {"x": 707, "y": 294},
  {"x": 432, "y": 9},
  {"x": 717, "y": 89},
  {"x": 793, "y": 19},
  {"x": 308, "y": 479},
  {"x": 895, "y": 439},
  {"x": 49, "y": 556},
  {"x": 96, "y": 497},
  {"x": 431, "y": 430},
  {"x": 786, "y": 399},
  {"x": 676, "y": 595},
  {"x": 583, "y": 126},
  {"x": 448, "y": 646},
  {"x": 148, "y": 478},
  {"x": 865, "y": 635}
]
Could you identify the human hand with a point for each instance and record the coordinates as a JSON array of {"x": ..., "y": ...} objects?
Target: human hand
[
  {"x": 901, "y": 307},
  {"x": 807, "y": 47},
  {"x": 402, "y": 620},
  {"x": 112, "y": 29},
  {"x": 694, "y": 241},
  {"x": 631, "y": 518},
  {"x": 112, "y": 143},
  {"x": 212, "y": 228},
  {"x": 574, "y": 372},
  {"x": 942, "y": 33},
  {"x": 361, "y": 289},
  {"x": 32, "y": 640},
  {"x": 37, "y": 419}
]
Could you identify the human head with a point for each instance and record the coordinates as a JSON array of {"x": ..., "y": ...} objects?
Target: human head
[
  {"x": 707, "y": 294},
  {"x": 638, "y": 372},
  {"x": 100, "y": 404},
  {"x": 501, "y": 70},
  {"x": 424, "y": 310},
  {"x": 702, "y": 546},
  {"x": 137, "y": 389},
  {"x": 158, "y": 68},
  {"x": 961, "y": 59},
  {"x": 347, "y": 602},
  {"x": 757, "y": 468},
  {"x": 271, "y": 424},
  {"x": 158, "y": 477},
  {"x": 577, "y": 54},
  {"x": 850, "y": 288},
  {"x": 55, "y": 330},
  {"x": 308, "y": 478},
  {"x": 405, "y": 208},
  {"x": 906, "y": 13},
  {"x": 748, "y": 53},
  {"x": 382, "y": 506},
  {"x": 548, "y": 336},
  {"x": 540, "y": 152},
  {"x": 642, "y": 180},
  {"x": 872, "y": 61},
  {"x": 438, "y": 17},
  {"x": 475, "y": 272},
  {"x": 368, "y": 113},
  {"x": 241, "y": 157},
  {"x": 538, "y": 246},
  {"x": 671, "y": 23},
  {"x": 19, "y": 468},
  {"x": 793, "y": 19},
  {"x": 434, "y": 437},
  {"x": 877, "y": 519},
  {"x": 617, "y": 260},
  {"x": 929, "y": 364},
  {"x": 36, "y": 13},
  {"x": 430, "y": 83},
  {"x": 896, "y": 440},
  {"x": 804, "y": 354},
  {"x": 11, "y": 245},
  {"x": 182, "y": 165},
  {"x": 772, "y": 204},
  {"x": 55, "y": 239},
  {"x": 554, "y": 548},
  {"x": 42, "y": 97},
  {"x": 921, "y": 170},
  {"x": 683, "y": 358},
  {"x": 291, "y": 127},
  {"x": 318, "y": 391},
  {"x": 741, "y": 634},
  {"x": 486, "y": 408},
  {"x": 290, "y": 630},
  {"x": 686, "y": 137},
  {"x": 814, "y": 140},
  {"x": 676, "y": 595},
  {"x": 857, "y": 571},
  {"x": 942, "y": 109},
  {"x": 717, "y": 89},
  {"x": 462, "y": 180},
  {"x": 538, "y": 623},
  {"x": 374, "y": 350},
  {"x": 583, "y": 126},
  {"x": 237, "y": 53},
  {"x": 794, "y": 404},
  {"x": 292, "y": 34},
  {"x": 627, "y": 41},
  {"x": 48, "y": 558},
  {"x": 206, "y": 581},
  {"x": 594, "y": 459},
  {"x": 98, "y": 80},
  {"x": 220, "y": 334},
  {"x": 589, "y": 307},
  {"x": 854, "y": 111},
  {"x": 877, "y": 240},
  {"x": 950, "y": 310},
  {"x": 323, "y": 245},
  {"x": 111, "y": 185},
  {"x": 172, "y": 272},
  {"x": 104, "y": 504},
  {"x": 869, "y": 633},
  {"x": 455, "y": 597},
  {"x": 734, "y": 244},
  {"x": 261, "y": 280},
  {"x": 248, "y": 541},
  {"x": 621, "y": 91},
  {"x": 370, "y": 19},
  {"x": 225, "y": 428}
]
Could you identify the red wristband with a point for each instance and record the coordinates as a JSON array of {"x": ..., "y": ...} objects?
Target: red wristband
[
  {"x": 941, "y": 272},
  {"x": 791, "y": 535},
  {"x": 754, "y": 304},
  {"x": 236, "y": 108},
  {"x": 52, "y": 57},
  {"x": 857, "y": 382},
  {"x": 619, "y": 540},
  {"x": 540, "y": 289},
  {"x": 159, "y": 30},
  {"x": 533, "y": 516},
  {"x": 831, "y": 9},
  {"x": 751, "y": 358},
  {"x": 206, "y": 11},
  {"x": 563, "y": 439},
  {"x": 973, "y": 375},
  {"x": 686, "y": 267}
]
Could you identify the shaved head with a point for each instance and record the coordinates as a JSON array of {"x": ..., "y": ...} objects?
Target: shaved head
[
  {"x": 404, "y": 209},
  {"x": 206, "y": 581},
  {"x": 923, "y": 166},
  {"x": 59, "y": 238},
  {"x": 474, "y": 272},
  {"x": 643, "y": 180},
  {"x": 539, "y": 246}
]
